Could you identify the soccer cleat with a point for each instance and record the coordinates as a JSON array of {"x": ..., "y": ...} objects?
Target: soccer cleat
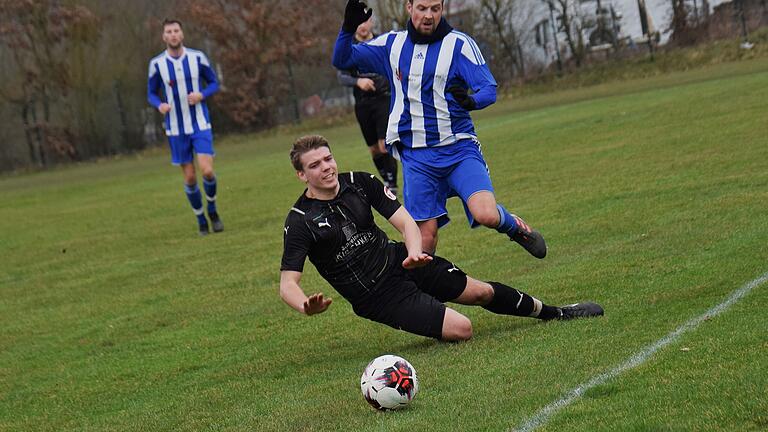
[
  {"x": 218, "y": 225},
  {"x": 203, "y": 230},
  {"x": 528, "y": 238},
  {"x": 580, "y": 310}
]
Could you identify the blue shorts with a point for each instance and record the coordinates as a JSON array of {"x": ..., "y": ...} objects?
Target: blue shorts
[
  {"x": 184, "y": 147},
  {"x": 432, "y": 175}
]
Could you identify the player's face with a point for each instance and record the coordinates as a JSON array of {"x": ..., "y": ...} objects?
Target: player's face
[
  {"x": 425, "y": 15},
  {"x": 320, "y": 171},
  {"x": 173, "y": 36}
]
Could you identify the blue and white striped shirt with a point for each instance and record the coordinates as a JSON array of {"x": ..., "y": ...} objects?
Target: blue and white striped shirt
[
  {"x": 421, "y": 112},
  {"x": 172, "y": 79}
]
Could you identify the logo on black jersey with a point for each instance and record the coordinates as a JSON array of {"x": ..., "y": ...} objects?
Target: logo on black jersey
[
  {"x": 322, "y": 224},
  {"x": 453, "y": 267},
  {"x": 389, "y": 194},
  {"x": 286, "y": 229}
]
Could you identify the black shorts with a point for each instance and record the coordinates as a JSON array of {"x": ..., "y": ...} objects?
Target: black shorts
[
  {"x": 412, "y": 300},
  {"x": 373, "y": 115}
]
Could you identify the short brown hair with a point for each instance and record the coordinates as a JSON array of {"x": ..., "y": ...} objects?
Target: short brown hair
[
  {"x": 169, "y": 21},
  {"x": 305, "y": 144}
]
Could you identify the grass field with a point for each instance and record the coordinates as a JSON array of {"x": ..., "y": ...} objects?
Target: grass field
[{"x": 653, "y": 197}]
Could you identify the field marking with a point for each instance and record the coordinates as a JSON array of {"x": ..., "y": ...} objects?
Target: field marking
[{"x": 541, "y": 417}]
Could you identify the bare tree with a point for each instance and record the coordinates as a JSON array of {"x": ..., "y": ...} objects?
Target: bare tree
[
  {"x": 502, "y": 25},
  {"x": 570, "y": 25},
  {"x": 391, "y": 14}
]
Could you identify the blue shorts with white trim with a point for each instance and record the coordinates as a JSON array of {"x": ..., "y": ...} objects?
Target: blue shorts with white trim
[
  {"x": 432, "y": 175},
  {"x": 184, "y": 147}
]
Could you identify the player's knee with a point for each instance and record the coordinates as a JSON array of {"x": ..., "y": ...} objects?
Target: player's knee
[
  {"x": 487, "y": 217},
  {"x": 458, "y": 329},
  {"x": 484, "y": 295},
  {"x": 428, "y": 242},
  {"x": 208, "y": 172}
]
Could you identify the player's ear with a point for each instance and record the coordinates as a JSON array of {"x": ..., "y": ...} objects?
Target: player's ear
[{"x": 301, "y": 176}]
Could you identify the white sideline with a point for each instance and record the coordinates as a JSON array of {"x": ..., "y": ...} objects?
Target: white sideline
[{"x": 541, "y": 417}]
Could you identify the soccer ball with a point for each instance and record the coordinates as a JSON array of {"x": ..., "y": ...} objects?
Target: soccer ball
[{"x": 389, "y": 382}]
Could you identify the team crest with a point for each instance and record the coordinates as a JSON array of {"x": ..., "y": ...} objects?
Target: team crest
[{"x": 389, "y": 194}]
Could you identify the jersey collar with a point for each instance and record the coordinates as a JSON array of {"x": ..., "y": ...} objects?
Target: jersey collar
[{"x": 442, "y": 30}]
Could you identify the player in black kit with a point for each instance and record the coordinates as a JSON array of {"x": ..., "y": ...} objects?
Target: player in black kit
[
  {"x": 388, "y": 282},
  {"x": 372, "y": 96}
]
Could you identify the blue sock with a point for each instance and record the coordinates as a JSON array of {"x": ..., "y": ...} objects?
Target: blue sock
[
  {"x": 210, "y": 194},
  {"x": 196, "y": 200},
  {"x": 506, "y": 222}
]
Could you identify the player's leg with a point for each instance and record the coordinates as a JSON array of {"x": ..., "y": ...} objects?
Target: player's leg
[
  {"x": 425, "y": 193},
  {"x": 182, "y": 155},
  {"x": 456, "y": 327},
  {"x": 194, "y": 195},
  {"x": 471, "y": 181},
  {"x": 367, "y": 117},
  {"x": 446, "y": 282},
  {"x": 389, "y": 163},
  {"x": 203, "y": 145},
  {"x": 385, "y": 164},
  {"x": 429, "y": 232}
]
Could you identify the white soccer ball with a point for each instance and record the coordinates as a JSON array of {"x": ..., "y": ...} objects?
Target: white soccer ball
[{"x": 389, "y": 382}]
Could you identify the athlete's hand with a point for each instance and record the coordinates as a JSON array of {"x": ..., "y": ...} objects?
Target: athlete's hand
[
  {"x": 194, "y": 98},
  {"x": 164, "y": 108},
  {"x": 461, "y": 96},
  {"x": 316, "y": 304},
  {"x": 415, "y": 261},
  {"x": 355, "y": 14},
  {"x": 366, "y": 84}
]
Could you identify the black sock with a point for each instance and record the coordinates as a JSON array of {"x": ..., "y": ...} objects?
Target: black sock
[
  {"x": 509, "y": 301},
  {"x": 387, "y": 167}
]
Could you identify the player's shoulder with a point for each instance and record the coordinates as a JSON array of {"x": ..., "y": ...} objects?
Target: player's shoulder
[
  {"x": 193, "y": 51},
  {"x": 299, "y": 209},
  {"x": 357, "y": 177},
  {"x": 384, "y": 38},
  {"x": 469, "y": 47},
  {"x": 157, "y": 58}
]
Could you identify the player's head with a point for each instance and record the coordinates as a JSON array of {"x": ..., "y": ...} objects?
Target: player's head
[
  {"x": 425, "y": 14},
  {"x": 173, "y": 33},
  {"x": 311, "y": 157},
  {"x": 363, "y": 31}
]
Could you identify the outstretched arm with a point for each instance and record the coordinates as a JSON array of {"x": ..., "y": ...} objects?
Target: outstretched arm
[
  {"x": 403, "y": 222},
  {"x": 292, "y": 294}
]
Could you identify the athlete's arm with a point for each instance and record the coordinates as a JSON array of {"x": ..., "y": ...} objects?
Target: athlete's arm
[
  {"x": 403, "y": 222},
  {"x": 365, "y": 57},
  {"x": 209, "y": 75},
  {"x": 473, "y": 69},
  {"x": 153, "y": 87},
  {"x": 294, "y": 296}
]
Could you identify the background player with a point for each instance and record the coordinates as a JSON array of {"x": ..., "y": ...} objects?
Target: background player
[
  {"x": 391, "y": 283},
  {"x": 176, "y": 88},
  {"x": 372, "y": 96},
  {"x": 431, "y": 69}
]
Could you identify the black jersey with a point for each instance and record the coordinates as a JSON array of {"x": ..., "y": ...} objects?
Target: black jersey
[{"x": 340, "y": 236}]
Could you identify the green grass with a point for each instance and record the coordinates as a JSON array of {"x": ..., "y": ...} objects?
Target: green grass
[{"x": 652, "y": 194}]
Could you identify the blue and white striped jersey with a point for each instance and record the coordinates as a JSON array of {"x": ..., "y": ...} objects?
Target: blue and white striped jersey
[
  {"x": 421, "y": 112},
  {"x": 172, "y": 79}
]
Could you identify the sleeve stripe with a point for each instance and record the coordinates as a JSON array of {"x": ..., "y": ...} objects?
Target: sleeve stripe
[{"x": 469, "y": 42}]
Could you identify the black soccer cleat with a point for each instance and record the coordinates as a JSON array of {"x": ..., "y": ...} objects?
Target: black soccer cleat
[
  {"x": 580, "y": 310},
  {"x": 203, "y": 229},
  {"x": 218, "y": 225},
  {"x": 528, "y": 238}
]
